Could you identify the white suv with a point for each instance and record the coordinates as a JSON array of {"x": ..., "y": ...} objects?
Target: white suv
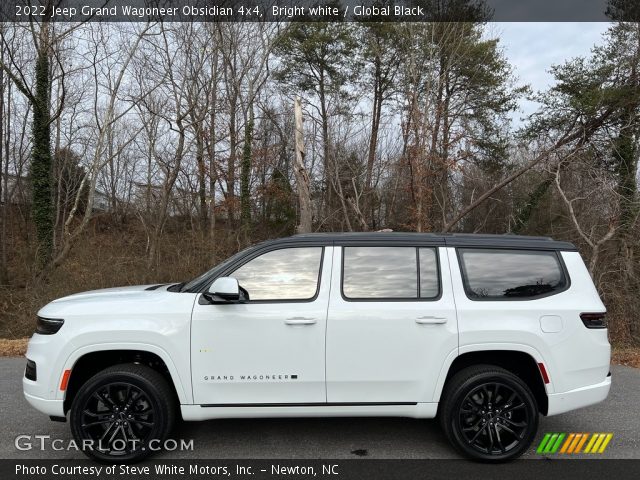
[{"x": 483, "y": 331}]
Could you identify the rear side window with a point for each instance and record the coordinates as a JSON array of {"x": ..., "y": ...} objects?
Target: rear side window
[
  {"x": 401, "y": 273},
  {"x": 511, "y": 274}
]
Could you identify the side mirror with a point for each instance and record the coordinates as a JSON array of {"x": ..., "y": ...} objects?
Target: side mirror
[{"x": 223, "y": 290}]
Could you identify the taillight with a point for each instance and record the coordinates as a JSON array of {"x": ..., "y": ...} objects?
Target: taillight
[{"x": 594, "y": 320}]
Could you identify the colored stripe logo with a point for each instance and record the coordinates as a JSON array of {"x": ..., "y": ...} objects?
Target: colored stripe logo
[{"x": 573, "y": 443}]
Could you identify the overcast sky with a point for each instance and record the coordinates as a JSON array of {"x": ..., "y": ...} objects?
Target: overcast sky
[{"x": 533, "y": 47}]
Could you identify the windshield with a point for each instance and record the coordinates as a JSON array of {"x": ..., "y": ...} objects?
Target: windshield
[{"x": 196, "y": 283}]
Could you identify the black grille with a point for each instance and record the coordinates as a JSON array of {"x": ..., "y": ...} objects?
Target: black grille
[{"x": 30, "y": 371}]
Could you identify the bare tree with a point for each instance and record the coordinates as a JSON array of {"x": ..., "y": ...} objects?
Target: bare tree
[{"x": 302, "y": 176}]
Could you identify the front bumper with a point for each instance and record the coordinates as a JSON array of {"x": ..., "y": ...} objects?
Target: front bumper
[{"x": 579, "y": 397}]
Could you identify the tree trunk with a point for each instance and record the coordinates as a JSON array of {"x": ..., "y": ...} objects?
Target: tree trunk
[
  {"x": 245, "y": 171},
  {"x": 373, "y": 141},
  {"x": 231, "y": 164},
  {"x": 41, "y": 161},
  {"x": 202, "y": 184},
  {"x": 302, "y": 176},
  {"x": 4, "y": 277}
]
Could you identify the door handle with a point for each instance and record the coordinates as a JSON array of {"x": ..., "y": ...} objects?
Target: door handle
[
  {"x": 300, "y": 321},
  {"x": 431, "y": 320}
]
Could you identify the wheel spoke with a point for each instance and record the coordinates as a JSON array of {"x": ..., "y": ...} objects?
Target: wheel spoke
[
  {"x": 142, "y": 422},
  {"x": 514, "y": 407},
  {"x": 504, "y": 427},
  {"x": 490, "y": 449},
  {"x": 106, "y": 432},
  {"x": 132, "y": 432},
  {"x": 127, "y": 395},
  {"x": 474, "y": 407},
  {"x": 135, "y": 397},
  {"x": 472, "y": 428},
  {"x": 124, "y": 434},
  {"x": 515, "y": 424},
  {"x": 511, "y": 399},
  {"x": 113, "y": 436},
  {"x": 494, "y": 398},
  {"x": 142, "y": 413},
  {"x": 500, "y": 445},
  {"x": 478, "y": 434},
  {"x": 485, "y": 392},
  {"x": 89, "y": 413},
  {"x": 97, "y": 422},
  {"x": 106, "y": 401}
]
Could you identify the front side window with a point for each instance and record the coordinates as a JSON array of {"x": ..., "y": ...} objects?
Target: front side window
[
  {"x": 285, "y": 274},
  {"x": 510, "y": 274}
]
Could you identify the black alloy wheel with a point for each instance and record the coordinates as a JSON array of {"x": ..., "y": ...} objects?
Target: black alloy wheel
[
  {"x": 119, "y": 411},
  {"x": 489, "y": 414}
]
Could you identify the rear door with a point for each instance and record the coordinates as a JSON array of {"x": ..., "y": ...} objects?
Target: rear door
[{"x": 391, "y": 323}]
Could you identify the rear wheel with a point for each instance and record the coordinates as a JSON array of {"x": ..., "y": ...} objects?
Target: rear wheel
[
  {"x": 489, "y": 414},
  {"x": 119, "y": 411}
]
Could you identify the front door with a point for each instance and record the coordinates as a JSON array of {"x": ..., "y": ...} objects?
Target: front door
[
  {"x": 270, "y": 349},
  {"x": 391, "y": 324}
]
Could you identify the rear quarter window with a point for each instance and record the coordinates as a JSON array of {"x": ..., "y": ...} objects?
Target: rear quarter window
[{"x": 494, "y": 274}]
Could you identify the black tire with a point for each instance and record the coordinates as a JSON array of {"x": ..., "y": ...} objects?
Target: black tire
[
  {"x": 120, "y": 410},
  {"x": 488, "y": 414}
]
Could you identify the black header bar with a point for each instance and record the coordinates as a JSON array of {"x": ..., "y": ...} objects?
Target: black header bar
[{"x": 319, "y": 10}]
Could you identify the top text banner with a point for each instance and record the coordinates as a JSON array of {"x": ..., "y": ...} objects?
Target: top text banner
[{"x": 319, "y": 10}]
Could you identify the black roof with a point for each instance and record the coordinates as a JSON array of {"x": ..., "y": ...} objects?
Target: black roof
[{"x": 431, "y": 239}]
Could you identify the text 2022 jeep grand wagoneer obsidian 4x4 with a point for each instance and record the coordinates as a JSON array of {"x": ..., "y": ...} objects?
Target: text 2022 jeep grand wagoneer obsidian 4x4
[{"x": 483, "y": 331}]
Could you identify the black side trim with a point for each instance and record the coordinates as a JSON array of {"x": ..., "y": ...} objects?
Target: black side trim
[{"x": 312, "y": 404}]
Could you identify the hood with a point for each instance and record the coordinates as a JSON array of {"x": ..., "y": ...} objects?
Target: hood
[{"x": 113, "y": 293}]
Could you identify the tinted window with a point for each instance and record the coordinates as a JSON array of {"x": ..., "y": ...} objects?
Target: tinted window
[
  {"x": 380, "y": 272},
  {"x": 515, "y": 274},
  {"x": 429, "y": 279},
  {"x": 286, "y": 274}
]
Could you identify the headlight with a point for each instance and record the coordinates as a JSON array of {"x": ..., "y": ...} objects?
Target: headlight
[{"x": 48, "y": 326}]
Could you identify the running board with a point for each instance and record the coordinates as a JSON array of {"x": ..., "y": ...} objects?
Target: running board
[{"x": 312, "y": 404}]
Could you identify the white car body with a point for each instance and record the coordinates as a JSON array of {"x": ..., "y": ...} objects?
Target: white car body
[{"x": 350, "y": 358}]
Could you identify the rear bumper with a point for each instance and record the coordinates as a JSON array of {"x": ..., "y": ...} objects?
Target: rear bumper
[
  {"x": 53, "y": 408},
  {"x": 578, "y": 398}
]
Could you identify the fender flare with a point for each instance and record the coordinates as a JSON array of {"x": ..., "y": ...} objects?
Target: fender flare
[
  {"x": 483, "y": 347},
  {"x": 184, "y": 395}
]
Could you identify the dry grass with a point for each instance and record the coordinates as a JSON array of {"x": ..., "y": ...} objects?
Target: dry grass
[
  {"x": 13, "y": 348},
  {"x": 629, "y": 356}
]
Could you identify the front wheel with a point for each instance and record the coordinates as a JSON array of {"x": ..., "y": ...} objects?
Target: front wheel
[
  {"x": 122, "y": 413},
  {"x": 489, "y": 414}
]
